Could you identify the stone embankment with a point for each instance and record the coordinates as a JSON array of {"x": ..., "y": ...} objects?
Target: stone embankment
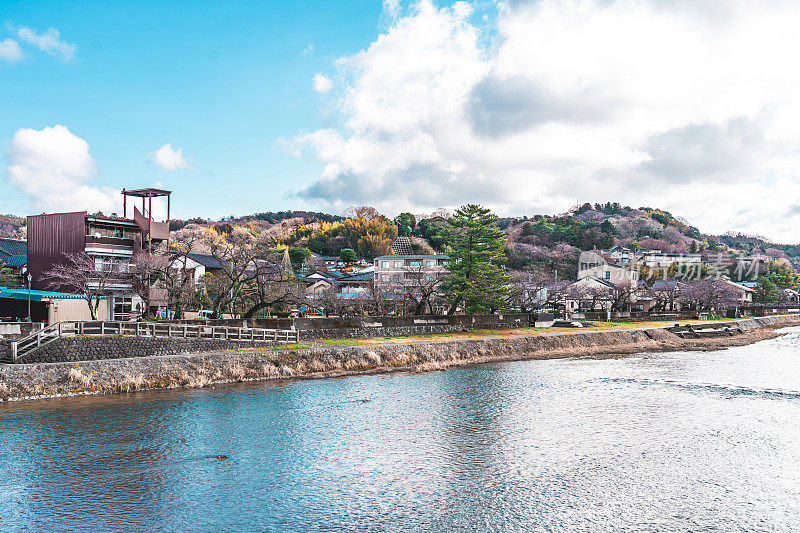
[{"x": 198, "y": 370}]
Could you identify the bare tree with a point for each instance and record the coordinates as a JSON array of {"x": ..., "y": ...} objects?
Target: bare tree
[
  {"x": 271, "y": 282},
  {"x": 530, "y": 288},
  {"x": 92, "y": 279},
  {"x": 419, "y": 286},
  {"x": 622, "y": 296}
]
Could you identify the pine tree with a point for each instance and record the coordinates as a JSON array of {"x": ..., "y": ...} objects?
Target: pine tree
[{"x": 476, "y": 281}]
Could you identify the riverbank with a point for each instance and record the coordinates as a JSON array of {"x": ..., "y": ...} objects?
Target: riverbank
[{"x": 28, "y": 381}]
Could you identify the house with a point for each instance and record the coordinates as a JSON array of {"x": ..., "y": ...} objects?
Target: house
[
  {"x": 197, "y": 265},
  {"x": 593, "y": 265},
  {"x": 656, "y": 259},
  {"x": 790, "y": 296},
  {"x": 331, "y": 262},
  {"x": 356, "y": 284},
  {"x": 46, "y": 306},
  {"x": 111, "y": 242},
  {"x": 739, "y": 292},
  {"x": 395, "y": 272},
  {"x": 620, "y": 254},
  {"x": 14, "y": 255}
]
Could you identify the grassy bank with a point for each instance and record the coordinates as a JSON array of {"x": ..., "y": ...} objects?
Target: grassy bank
[
  {"x": 516, "y": 332},
  {"x": 418, "y": 354}
]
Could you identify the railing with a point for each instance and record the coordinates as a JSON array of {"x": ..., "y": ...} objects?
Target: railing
[
  {"x": 51, "y": 333},
  {"x": 127, "y": 242}
]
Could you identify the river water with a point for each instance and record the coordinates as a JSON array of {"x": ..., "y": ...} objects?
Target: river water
[{"x": 675, "y": 441}]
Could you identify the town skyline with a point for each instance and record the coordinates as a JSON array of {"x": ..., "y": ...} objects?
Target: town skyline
[{"x": 323, "y": 107}]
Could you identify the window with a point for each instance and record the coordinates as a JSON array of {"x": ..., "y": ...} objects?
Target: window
[
  {"x": 607, "y": 274},
  {"x": 384, "y": 264},
  {"x": 398, "y": 264},
  {"x": 384, "y": 277},
  {"x": 397, "y": 277},
  {"x": 414, "y": 263},
  {"x": 429, "y": 263}
]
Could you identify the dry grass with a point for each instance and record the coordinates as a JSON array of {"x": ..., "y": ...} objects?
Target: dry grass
[
  {"x": 478, "y": 334},
  {"x": 78, "y": 377}
]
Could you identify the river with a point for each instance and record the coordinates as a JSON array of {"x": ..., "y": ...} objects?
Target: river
[{"x": 670, "y": 441}]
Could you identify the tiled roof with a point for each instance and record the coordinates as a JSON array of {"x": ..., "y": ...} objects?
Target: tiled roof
[
  {"x": 208, "y": 261},
  {"x": 365, "y": 276},
  {"x": 14, "y": 246},
  {"x": 14, "y": 260},
  {"x": 37, "y": 296}
]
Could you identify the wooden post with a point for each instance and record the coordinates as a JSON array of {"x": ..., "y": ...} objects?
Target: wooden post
[{"x": 13, "y": 351}]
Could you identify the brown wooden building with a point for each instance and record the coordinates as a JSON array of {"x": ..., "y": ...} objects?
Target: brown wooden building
[{"x": 112, "y": 242}]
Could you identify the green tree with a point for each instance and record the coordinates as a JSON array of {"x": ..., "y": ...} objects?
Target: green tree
[
  {"x": 476, "y": 281},
  {"x": 8, "y": 277},
  {"x": 406, "y": 224},
  {"x": 348, "y": 255},
  {"x": 767, "y": 291},
  {"x": 298, "y": 255}
]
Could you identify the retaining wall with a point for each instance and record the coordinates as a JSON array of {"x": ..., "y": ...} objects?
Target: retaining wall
[
  {"x": 198, "y": 370},
  {"x": 88, "y": 348}
]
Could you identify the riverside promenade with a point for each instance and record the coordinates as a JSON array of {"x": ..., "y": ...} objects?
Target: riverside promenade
[{"x": 321, "y": 359}]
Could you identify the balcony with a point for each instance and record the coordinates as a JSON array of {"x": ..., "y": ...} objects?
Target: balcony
[{"x": 121, "y": 242}]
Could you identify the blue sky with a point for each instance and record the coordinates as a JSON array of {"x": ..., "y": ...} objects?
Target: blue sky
[
  {"x": 526, "y": 106},
  {"x": 220, "y": 80}
]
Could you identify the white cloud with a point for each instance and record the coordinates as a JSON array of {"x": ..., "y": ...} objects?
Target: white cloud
[
  {"x": 322, "y": 83},
  {"x": 681, "y": 105},
  {"x": 170, "y": 158},
  {"x": 53, "y": 166},
  {"x": 308, "y": 49},
  {"x": 10, "y": 51},
  {"x": 391, "y": 8},
  {"x": 49, "y": 41}
]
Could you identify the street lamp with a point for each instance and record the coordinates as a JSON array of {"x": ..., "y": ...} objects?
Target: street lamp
[{"x": 29, "y": 296}]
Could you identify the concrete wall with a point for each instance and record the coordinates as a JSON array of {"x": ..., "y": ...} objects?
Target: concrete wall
[
  {"x": 75, "y": 309},
  {"x": 18, "y": 330},
  {"x": 89, "y": 348}
]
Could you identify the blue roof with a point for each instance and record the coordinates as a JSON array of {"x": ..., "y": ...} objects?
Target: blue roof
[
  {"x": 13, "y": 246},
  {"x": 15, "y": 260},
  {"x": 208, "y": 261},
  {"x": 365, "y": 276},
  {"x": 37, "y": 296}
]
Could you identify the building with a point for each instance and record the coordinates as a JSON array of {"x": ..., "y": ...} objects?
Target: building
[
  {"x": 657, "y": 259},
  {"x": 395, "y": 271},
  {"x": 111, "y": 242},
  {"x": 593, "y": 265},
  {"x": 620, "y": 254},
  {"x": 197, "y": 265},
  {"x": 14, "y": 255},
  {"x": 46, "y": 306}
]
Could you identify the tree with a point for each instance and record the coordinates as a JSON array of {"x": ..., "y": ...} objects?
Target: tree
[
  {"x": 270, "y": 282},
  {"x": 531, "y": 288},
  {"x": 767, "y": 291},
  {"x": 476, "y": 281},
  {"x": 8, "y": 277},
  {"x": 348, "y": 255},
  {"x": 94, "y": 281},
  {"x": 406, "y": 224},
  {"x": 420, "y": 286},
  {"x": 298, "y": 256}
]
